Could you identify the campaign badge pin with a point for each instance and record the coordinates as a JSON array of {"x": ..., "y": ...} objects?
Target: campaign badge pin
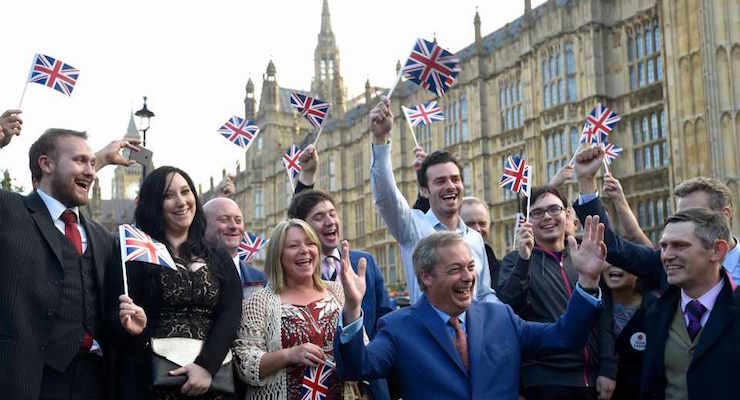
[{"x": 638, "y": 341}]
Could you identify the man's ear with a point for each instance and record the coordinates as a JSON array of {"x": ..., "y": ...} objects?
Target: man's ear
[
  {"x": 424, "y": 192},
  {"x": 426, "y": 278},
  {"x": 721, "y": 248},
  {"x": 46, "y": 163}
]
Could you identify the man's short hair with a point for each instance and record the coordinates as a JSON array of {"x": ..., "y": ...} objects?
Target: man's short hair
[
  {"x": 305, "y": 201},
  {"x": 539, "y": 191},
  {"x": 46, "y": 145},
  {"x": 471, "y": 201},
  {"x": 437, "y": 157},
  {"x": 426, "y": 253},
  {"x": 719, "y": 194},
  {"x": 709, "y": 225}
]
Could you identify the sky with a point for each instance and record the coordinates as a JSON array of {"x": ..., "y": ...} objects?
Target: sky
[{"x": 192, "y": 60}]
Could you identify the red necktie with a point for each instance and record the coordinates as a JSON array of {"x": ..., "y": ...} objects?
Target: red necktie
[
  {"x": 71, "y": 231},
  {"x": 461, "y": 342}
]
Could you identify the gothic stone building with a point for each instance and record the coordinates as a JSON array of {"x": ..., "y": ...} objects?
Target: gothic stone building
[{"x": 669, "y": 67}]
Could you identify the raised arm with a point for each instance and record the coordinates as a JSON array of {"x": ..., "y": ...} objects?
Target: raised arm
[
  {"x": 111, "y": 154},
  {"x": 389, "y": 201},
  {"x": 632, "y": 231},
  {"x": 309, "y": 161}
]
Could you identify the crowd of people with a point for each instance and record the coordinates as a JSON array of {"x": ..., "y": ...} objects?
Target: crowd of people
[{"x": 575, "y": 311}]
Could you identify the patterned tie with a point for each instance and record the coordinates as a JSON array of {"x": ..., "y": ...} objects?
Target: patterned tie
[
  {"x": 461, "y": 342},
  {"x": 327, "y": 273},
  {"x": 70, "y": 230},
  {"x": 694, "y": 311}
]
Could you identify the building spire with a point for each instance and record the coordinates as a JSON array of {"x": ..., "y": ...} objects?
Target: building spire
[
  {"x": 327, "y": 81},
  {"x": 325, "y": 18},
  {"x": 131, "y": 131}
]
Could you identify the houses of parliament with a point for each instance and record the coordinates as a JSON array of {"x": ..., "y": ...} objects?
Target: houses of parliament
[{"x": 670, "y": 68}]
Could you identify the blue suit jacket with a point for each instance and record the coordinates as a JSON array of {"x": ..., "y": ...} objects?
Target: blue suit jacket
[{"x": 413, "y": 345}]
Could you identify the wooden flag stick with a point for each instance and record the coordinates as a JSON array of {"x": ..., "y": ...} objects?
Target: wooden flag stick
[
  {"x": 318, "y": 135},
  {"x": 398, "y": 79},
  {"x": 606, "y": 166},
  {"x": 28, "y": 78},
  {"x": 529, "y": 190},
  {"x": 413, "y": 135}
]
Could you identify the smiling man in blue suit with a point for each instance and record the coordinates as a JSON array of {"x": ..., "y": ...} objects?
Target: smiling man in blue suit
[{"x": 447, "y": 346}]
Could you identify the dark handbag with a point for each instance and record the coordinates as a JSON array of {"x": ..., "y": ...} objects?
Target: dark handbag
[{"x": 222, "y": 381}]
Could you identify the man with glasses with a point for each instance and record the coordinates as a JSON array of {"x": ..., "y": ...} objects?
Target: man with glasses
[{"x": 537, "y": 280}]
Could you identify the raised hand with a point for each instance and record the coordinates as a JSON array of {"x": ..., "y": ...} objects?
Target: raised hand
[
  {"x": 353, "y": 284},
  {"x": 381, "y": 121},
  {"x": 525, "y": 240},
  {"x": 565, "y": 173},
  {"x": 588, "y": 162},
  {"x": 588, "y": 258},
  {"x": 199, "y": 379},
  {"x": 613, "y": 189},
  {"x": 309, "y": 161},
  {"x": 419, "y": 156},
  {"x": 133, "y": 317},
  {"x": 10, "y": 125},
  {"x": 226, "y": 187},
  {"x": 111, "y": 154}
]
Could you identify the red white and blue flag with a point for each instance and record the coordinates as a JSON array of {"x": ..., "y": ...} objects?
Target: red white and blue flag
[
  {"x": 516, "y": 175},
  {"x": 290, "y": 160},
  {"x": 311, "y": 108},
  {"x": 423, "y": 114},
  {"x": 138, "y": 246},
  {"x": 51, "y": 72},
  {"x": 599, "y": 124},
  {"x": 611, "y": 151},
  {"x": 239, "y": 131},
  {"x": 315, "y": 383},
  {"x": 431, "y": 67},
  {"x": 250, "y": 245}
]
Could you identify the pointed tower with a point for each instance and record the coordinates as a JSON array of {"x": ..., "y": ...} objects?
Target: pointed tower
[
  {"x": 270, "y": 98},
  {"x": 250, "y": 104},
  {"x": 131, "y": 131},
  {"x": 327, "y": 81}
]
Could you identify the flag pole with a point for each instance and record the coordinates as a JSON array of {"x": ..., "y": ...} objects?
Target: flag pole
[
  {"x": 318, "y": 135},
  {"x": 123, "y": 257},
  {"x": 529, "y": 191},
  {"x": 413, "y": 135},
  {"x": 606, "y": 166},
  {"x": 398, "y": 79},
  {"x": 28, "y": 77}
]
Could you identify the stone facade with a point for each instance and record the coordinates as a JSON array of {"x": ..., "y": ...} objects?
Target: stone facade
[{"x": 669, "y": 68}]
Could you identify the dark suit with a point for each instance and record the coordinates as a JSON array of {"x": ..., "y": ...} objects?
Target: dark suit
[
  {"x": 414, "y": 346},
  {"x": 30, "y": 274},
  {"x": 716, "y": 361}
]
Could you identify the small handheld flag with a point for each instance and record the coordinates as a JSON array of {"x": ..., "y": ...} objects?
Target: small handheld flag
[
  {"x": 516, "y": 175},
  {"x": 315, "y": 383},
  {"x": 250, "y": 245},
  {"x": 430, "y": 67},
  {"x": 599, "y": 124},
  {"x": 423, "y": 114},
  {"x": 311, "y": 108},
  {"x": 53, "y": 73},
  {"x": 138, "y": 246},
  {"x": 239, "y": 131},
  {"x": 611, "y": 151},
  {"x": 290, "y": 160}
]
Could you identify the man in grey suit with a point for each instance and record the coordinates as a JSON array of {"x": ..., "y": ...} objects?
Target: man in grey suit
[{"x": 53, "y": 343}]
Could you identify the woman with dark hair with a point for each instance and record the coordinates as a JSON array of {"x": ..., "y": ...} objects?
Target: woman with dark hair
[{"x": 187, "y": 314}]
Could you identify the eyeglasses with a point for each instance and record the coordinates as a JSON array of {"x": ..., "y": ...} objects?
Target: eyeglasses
[{"x": 539, "y": 213}]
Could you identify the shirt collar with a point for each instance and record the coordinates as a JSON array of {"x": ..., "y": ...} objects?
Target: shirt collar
[
  {"x": 55, "y": 207},
  {"x": 732, "y": 258},
  {"x": 707, "y": 299},
  {"x": 334, "y": 253},
  {"x": 446, "y": 317},
  {"x": 236, "y": 260},
  {"x": 434, "y": 221}
]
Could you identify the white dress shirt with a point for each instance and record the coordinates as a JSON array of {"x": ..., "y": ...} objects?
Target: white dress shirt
[{"x": 708, "y": 300}]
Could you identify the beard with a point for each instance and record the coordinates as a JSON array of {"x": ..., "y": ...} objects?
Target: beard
[{"x": 65, "y": 193}]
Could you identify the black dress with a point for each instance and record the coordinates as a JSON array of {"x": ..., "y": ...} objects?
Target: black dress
[{"x": 201, "y": 301}]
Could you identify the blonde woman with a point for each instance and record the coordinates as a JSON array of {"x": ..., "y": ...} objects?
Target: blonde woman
[{"x": 289, "y": 326}]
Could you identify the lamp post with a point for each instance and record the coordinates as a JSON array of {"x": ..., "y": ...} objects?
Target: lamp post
[{"x": 144, "y": 115}]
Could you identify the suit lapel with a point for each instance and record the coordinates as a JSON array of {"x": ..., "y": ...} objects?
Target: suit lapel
[
  {"x": 721, "y": 316},
  {"x": 41, "y": 217},
  {"x": 433, "y": 323}
]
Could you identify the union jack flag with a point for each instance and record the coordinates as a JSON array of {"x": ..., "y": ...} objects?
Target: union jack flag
[
  {"x": 315, "y": 383},
  {"x": 516, "y": 175},
  {"x": 138, "y": 246},
  {"x": 53, "y": 73},
  {"x": 423, "y": 114},
  {"x": 431, "y": 67},
  {"x": 239, "y": 131},
  {"x": 599, "y": 124},
  {"x": 313, "y": 109},
  {"x": 250, "y": 245},
  {"x": 611, "y": 151},
  {"x": 290, "y": 160}
]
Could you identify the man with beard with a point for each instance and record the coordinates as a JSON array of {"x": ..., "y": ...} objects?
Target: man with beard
[
  {"x": 52, "y": 274},
  {"x": 317, "y": 208},
  {"x": 537, "y": 281},
  {"x": 441, "y": 182},
  {"x": 225, "y": 229}
]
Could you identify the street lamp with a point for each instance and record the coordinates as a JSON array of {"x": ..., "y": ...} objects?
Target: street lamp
[{"x": 144, "y": 115}]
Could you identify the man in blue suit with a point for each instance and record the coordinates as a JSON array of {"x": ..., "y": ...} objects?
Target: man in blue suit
[
  {"x": 443, "y": 347},
  {"x": 318, "y": 209}
]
